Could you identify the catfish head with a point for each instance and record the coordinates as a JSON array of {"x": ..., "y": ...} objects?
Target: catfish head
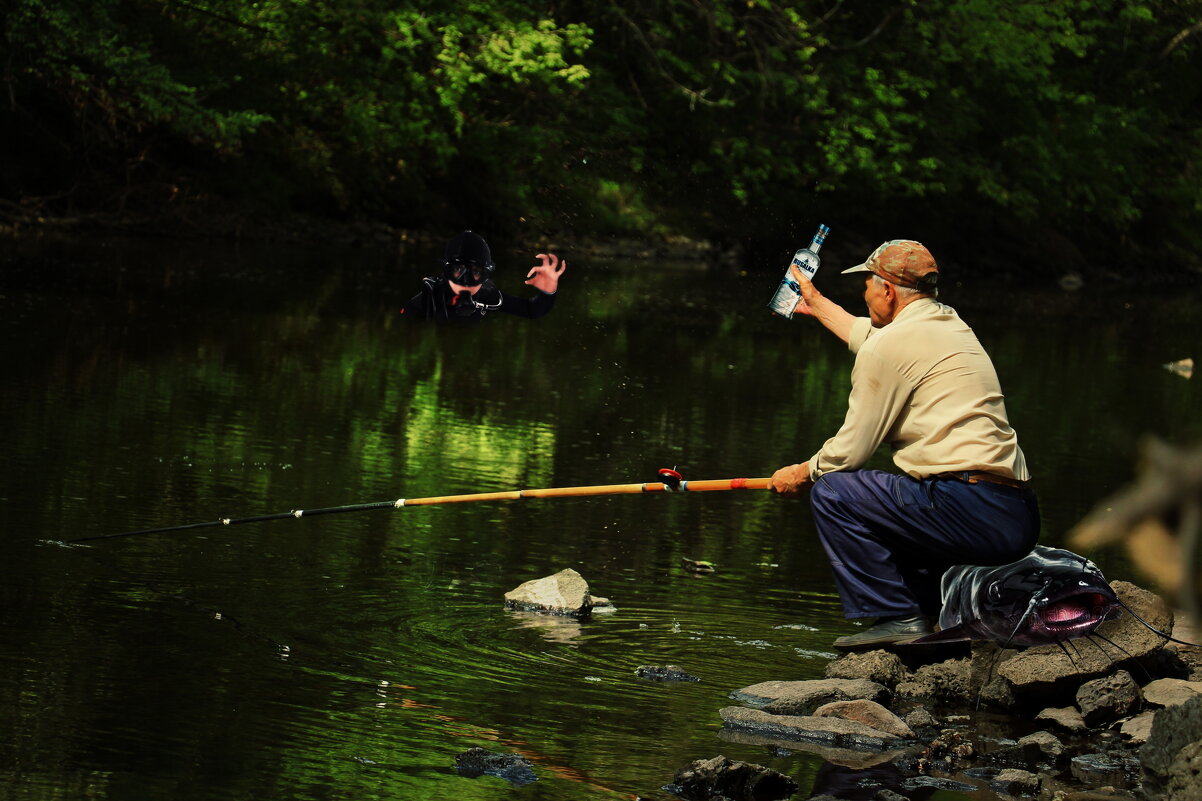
[{"x": 1049, "y": 596}]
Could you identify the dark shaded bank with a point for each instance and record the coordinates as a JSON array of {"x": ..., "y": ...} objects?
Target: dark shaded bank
[
  {"x": 1058, "y": 136},
  {"x": 1003, "y": 255}
]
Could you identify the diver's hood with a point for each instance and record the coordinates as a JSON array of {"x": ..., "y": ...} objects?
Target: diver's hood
[{"x": 467, "y": 260}]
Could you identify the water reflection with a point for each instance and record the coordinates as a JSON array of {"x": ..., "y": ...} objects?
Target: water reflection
[
  {"x": 157, "y": 384},
  {"x": 554, "y": 628}
]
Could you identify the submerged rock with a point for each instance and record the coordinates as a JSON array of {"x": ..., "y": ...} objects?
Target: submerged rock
[
  {"x": 720, "y": 777},
  {"x": 1016, "y": 782},
  {"x": 664, "y": 673},
  {"x": 476, "y": 762},
  {"x": 565, "y": 593}
]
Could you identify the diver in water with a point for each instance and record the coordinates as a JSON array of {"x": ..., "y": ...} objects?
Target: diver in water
[{"x": 465, "y": 293}]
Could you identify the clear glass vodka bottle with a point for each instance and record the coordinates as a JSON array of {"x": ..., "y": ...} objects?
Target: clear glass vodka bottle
[{"x": 807, "y": 261}]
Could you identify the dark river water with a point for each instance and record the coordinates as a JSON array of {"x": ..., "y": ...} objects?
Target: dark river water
[{"x": 158, "y": 383}]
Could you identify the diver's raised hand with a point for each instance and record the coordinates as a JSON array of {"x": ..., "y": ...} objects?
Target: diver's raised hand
[{"x": 545, "y": 276}]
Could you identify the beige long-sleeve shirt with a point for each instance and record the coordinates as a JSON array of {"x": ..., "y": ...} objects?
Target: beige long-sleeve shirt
[{"x": 924, "y": 384}]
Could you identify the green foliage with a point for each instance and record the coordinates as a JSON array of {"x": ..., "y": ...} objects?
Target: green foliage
[{"x": 718, "y": 118}]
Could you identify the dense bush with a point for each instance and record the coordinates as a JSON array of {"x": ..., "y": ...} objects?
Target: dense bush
[{"x": 1072, "y": 129}]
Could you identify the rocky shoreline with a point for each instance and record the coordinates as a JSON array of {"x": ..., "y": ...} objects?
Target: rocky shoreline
[{"x": 1117, "y": 716}]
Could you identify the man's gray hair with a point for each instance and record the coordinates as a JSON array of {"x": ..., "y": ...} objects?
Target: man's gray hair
[{"x": 905, "y": 291}]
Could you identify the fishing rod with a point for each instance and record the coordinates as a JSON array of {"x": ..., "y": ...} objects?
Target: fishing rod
[{"x": 670, "y": 481}]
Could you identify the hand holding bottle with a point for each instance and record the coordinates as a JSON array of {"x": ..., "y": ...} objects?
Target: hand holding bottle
[{"x": 805, "y": 291}]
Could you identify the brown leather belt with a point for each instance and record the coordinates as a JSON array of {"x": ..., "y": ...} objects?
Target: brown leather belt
[{"x": 977, "y": 476}]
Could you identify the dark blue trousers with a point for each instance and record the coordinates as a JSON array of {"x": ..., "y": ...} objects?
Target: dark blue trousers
[{"x": 889, "y": 537}]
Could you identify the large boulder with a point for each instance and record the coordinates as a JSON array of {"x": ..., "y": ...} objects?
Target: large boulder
[
  {"x": 1173, "y": 729},
  {"x": 1048, "y": 671},
  {"x": 1181, "y": 776}
]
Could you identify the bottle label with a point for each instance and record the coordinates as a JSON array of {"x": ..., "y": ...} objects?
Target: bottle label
[
  {"x": 786, "y": 297},
  {"x": 806, "y": 262}
]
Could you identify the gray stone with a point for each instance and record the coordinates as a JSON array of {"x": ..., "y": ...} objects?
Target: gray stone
[
  {"x": 1170, "y": 692},
  {"x": 1048, "y": 744},
  {"x": 1183, "y": 779},
  {"x": 1108, "y": 768},
  {"x": 1094, "y": 794},
  {"x": 882, "y": 667},
  {"x": 1013, "y": 753},
  {"x": 936, "y": 783},
  {"x": 785, "y": 746},
  {"x": 920, "y": 718},
  {"x": 803, "y": 697},
  {"x": 564, "y": 593},
  {"x": 1016, "y": 782},
  {"x": 1067, "y": 718},
  {"x": 1109, "y": 698},
  {"x": 870, "y": 713},
  {"x": 829, "y": 731},
  {"x": 992, "y": 688},
  {"x": 1138, "y": 729},
  {"x": 1172, "y": 729},
  {"x": 720, "y": 777},
  {"x": 476, "y": 762},
  {"x": 664, "y": 673},
  {"x": 1188, "y": 657},
  {"x": 948, "y": 680}
]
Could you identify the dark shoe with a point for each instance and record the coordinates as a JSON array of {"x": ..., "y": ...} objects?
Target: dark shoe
[{"x": 886, "y": 631}]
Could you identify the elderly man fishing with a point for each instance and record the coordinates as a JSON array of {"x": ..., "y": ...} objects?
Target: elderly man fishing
[{"x": 922, "y": 383}]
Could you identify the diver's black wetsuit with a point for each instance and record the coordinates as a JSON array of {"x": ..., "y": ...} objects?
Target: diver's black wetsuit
[{"x": 437, "y": 302}]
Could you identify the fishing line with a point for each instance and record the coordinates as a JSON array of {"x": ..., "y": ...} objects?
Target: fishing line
[{"x": 282, "y": 650}]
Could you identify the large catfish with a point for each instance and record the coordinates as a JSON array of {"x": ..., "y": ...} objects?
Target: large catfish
[{"x": 1049, "y": 596}]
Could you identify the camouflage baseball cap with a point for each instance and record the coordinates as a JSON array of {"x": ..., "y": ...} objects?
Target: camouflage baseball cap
[{"x": 903, "y": 262}]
